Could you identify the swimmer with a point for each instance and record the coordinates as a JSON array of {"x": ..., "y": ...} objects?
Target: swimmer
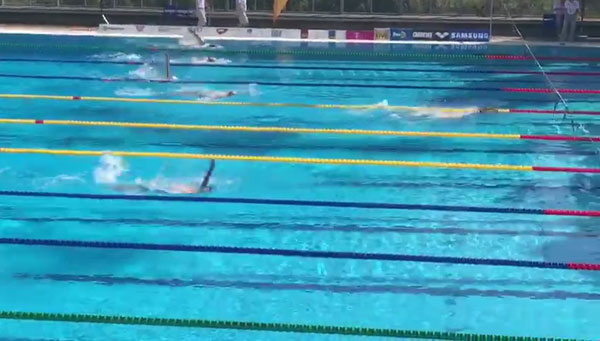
[
  {"x": 205, "y": 95},
  {"x": 201, "y": 41},
  {"x": 210, "y": 60},
  {"x": 175, "y": 188}
]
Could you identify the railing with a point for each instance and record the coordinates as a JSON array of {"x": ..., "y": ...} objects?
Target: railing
[{"x": 478, "y": 8}]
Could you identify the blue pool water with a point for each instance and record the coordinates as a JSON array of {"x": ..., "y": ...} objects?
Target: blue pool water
[{"x": 403, "y": 295}]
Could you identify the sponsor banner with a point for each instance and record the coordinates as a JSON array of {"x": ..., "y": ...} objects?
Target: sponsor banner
[
  {"x": 382, "y": 33},
  {"x": 430, "y": 35},
  {"x": 145, "y": 30},
  {"x": 326, "y": 34},
  {"x": 290, "y": 34},
  {"x": 237, "y": 32},
  {"x": 304, "y": 33},
  {"x": 171, "y": 29},
  {"x": 401, "y": 34},
  {"x": 319, "y": 34},
  {"x": 276, "y": 33},
  {"x": 360, "y": 35},
  {"x": 114, "y": 28},
  {"x": 470, "y": 35}
]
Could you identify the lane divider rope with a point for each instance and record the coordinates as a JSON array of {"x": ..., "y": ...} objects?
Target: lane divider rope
[
  {"x": 283, "y": 159},
  {"x": 304, "y": 67},
  {"x": 298, "y": 84},
  {"x": 300, "y": 253},
  {"x": 288, "y": 105},
  {"x": 261, "y": 326},
  {"x": 318, "y": 52},
  {"x": 299, "y": 130},
  {"x": 307, "y": 203}
]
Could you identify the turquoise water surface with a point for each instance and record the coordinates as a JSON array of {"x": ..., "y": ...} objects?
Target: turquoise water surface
[{"x": 403, "y": 295}]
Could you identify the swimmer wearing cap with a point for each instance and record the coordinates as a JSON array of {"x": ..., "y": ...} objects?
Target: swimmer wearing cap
[
  {"x": 205, "y": 95},
  {"x": 193, "y": 188}
]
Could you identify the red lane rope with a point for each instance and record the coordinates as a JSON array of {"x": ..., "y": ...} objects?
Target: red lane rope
[
  {"x": 559, "y": 138},
  {"x": 555, "y": 58},
  {"x": 565, "y": 169},
  {"x": 536, "y": 111},
  {"x": 548, "y": 91}
]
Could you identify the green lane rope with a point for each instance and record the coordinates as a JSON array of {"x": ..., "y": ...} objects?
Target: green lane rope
[
  {"x": 299, "y": 52},
  {"x": 262, "y": 326}
]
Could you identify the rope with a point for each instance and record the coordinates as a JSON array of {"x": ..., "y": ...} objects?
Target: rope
[
  {"x": 262, "y": 326},
  {"x": 288, "y": 105},
  {"x": 308, "y": 203},
  {"x": 318, "y": 52},
  {"x": 312, "y": 67},
  {"x": 298, "y": 130},
  {"x": 537, "y": 62},
  {"x": 301, "y": 253},
  {"x": 394, "y": 163},
  {"x": 297, "y": 84}
]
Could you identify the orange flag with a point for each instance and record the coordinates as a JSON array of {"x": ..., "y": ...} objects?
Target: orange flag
[{"x": 278, "y": 6}]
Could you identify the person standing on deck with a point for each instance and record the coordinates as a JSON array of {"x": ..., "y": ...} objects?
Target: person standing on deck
[
  {"x": 241, "y": 8},
  {"x": 559, "y": 15},
  {"x": 570, "y": 24},
  {"x": 201, "y": 12}
]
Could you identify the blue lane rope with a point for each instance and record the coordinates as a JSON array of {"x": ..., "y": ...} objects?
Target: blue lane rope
[
  {"x": 302, "y": 253},
  {"x": 350, "y": 85},
  {"x": 287, "y": 253},
  {"x": 313, "y": 203},
  {"x": 281, "y": 67}
]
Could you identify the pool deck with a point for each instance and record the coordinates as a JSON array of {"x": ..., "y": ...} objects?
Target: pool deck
[{"x": 96, "y": 32}]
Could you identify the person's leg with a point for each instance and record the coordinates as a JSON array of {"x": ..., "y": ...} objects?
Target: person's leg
[
  {"x": 241, "y": 12},
  {"x": 559, "y": 20},
  {"x": 201, "y": 12},
  {"x": 573, "y": 28},
  {"x": 565, "y": 30}
]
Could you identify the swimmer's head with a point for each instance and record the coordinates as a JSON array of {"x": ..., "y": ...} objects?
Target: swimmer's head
[
  {"x": 231, "y": 93},
  {"x": 211, "y": 59}
]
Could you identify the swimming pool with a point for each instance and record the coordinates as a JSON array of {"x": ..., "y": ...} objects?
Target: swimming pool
[{"x": 237, "y": 286}]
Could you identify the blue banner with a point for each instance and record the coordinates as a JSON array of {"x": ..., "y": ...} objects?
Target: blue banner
[{"x": 401, "y": 34}]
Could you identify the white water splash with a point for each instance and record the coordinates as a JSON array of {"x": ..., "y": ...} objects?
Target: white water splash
[
  {"x": 146, "y": 71},
  {"x": 135, "y": 92},
  {"x": 60, "y": 179},
  {"x": 118, "y": 57},
  {"x": 205, "y": 60},
  {"x": 110, "y": 169},
  {"x": 253, "y": 90}
]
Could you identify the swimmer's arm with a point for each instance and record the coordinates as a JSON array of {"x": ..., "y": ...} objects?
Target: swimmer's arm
[
  {"x": 197, "y": 36},
  {"x": 208, "y": 174}
]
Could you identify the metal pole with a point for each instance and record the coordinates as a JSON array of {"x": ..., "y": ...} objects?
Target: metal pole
[
  {"x": 491, "y": 17},
  {"x": 168, "y": 66},
  {"x": 341, "y": 6}
]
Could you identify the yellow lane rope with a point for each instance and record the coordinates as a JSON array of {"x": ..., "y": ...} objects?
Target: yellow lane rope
[
  {"x": 270, "y": 159},
  {"x": 245, "y": 104},
  {"x": 258, "y": 129}
]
